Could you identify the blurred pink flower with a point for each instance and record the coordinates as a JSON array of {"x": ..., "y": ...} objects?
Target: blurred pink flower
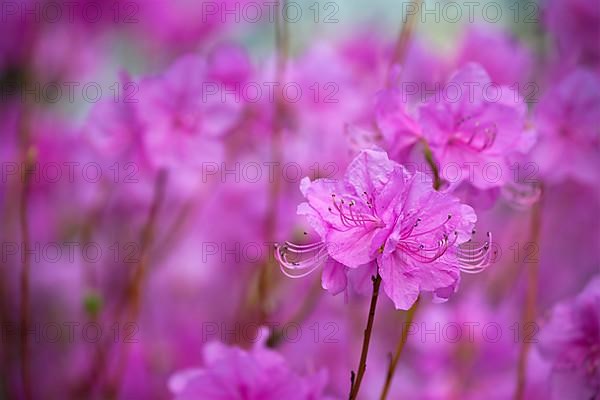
[
  {"x": 473, "y": 126},
  {"x": 182, "y": 126},
  {"x": 575, "y": 26},
  {"x": 257, "y": 374},
  {"x": 476, "y": 42},
  {"x": 567, "y": 123},
  {"x": 571, "y": 341},
  {"x": 398, "y": 128}
]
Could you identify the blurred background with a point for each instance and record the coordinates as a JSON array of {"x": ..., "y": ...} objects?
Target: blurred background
[{"x": 152, "y": 155}]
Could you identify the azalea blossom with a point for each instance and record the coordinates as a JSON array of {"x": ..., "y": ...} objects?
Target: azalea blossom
[
  {"x": 475, "y": 43},
  {"x": 183, "y": 126},
  {"x": 474, "y": 127},
  {"x": 574, "y": 25},
  {"x": 257, "y": 374},
  {"x": 380, "y": 213},
  {"x": 571, "y": 342},
  {"x": 567, "y": 121}
]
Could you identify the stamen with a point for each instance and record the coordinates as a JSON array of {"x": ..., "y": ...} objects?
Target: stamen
[
  {"x": 351, "y": 218},
  {"x": 304, "y": 265},
  {"x": 433, "y": 229},
  {"x": 479, "y": 137},
  {"x": 475, "y": 260}
]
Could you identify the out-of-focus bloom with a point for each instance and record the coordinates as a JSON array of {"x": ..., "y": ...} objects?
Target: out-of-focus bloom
[
  {"x": 571, "y": 341},
  {"x": 182, "y": 126},
  {"x": 257, "y": 374},
  {"x": 112, "y": 128},
  {"x": 178, "y": 119},
  {"x": 474, "y": 127},
  {"x": 380, "y": 212},
  {"x": 567, "y": 123},
  {"x": 392, "y": 123},
  {"x": 475, "y": 47},
  {"x": 398, "y": 127},
  {"x": 575, "y": 25}
]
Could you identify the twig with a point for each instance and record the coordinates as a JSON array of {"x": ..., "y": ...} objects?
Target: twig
[
  {"x": 530, "y": 310},
  {"x": 410, "y": 314},
  {"x": 282, "y": 50},
  {"x": 25, "y": 278},
  {"x": 134, "y": 290},
  {"x": 362, "y": 365},
  {"x": 403, "y": 41}
]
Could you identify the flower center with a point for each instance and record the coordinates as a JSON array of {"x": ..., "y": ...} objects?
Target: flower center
[
  {"x": 474, "y": 135},
  {"x": 353, "y": 214}
]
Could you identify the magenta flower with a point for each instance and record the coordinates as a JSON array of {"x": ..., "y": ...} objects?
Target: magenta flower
[
  {"x": 566, "y": 120},
  {"x": 381, "y": 213},
  {"x": 233, "y": 373},
  {"x": 422, "y": 253},
  {"x": 475, "y": 45},
  {"x": 575, "y": 27},
  {"x": 395, "y": 122},
  {"x": 571, "y": 342},
  {"x": 474, "y": 127},
  {"x": 182, "y": 125}
]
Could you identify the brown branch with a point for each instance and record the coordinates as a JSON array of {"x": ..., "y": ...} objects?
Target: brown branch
[
  {"x": 134, "y": 290},
  {"x": 410, "y": 314},
  {"x": 280, "y": 110},
  {"x": 25, "y": 278},
  {"x": 530, "y": 306},
  {"x": 362, "y": 365},
  {"x": 404, "y": 39}
]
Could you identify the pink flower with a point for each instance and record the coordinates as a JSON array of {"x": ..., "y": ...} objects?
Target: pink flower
[
  {"x": 575, "y": 26},
  {"x": 567, "y": 123},
  {"x": 422, "y": 253},
  {"x": 476, "y": 42},
  {"x": 381, "y": 213},
  {"x": 112, "y": 128},
  {"x": 181, "y": 125},
  {"x": 233, "y": 373},
  {"x": 394, "y": 119},
  {"x": 473, "y": 128},
  {"x": 571, "y": 341}
]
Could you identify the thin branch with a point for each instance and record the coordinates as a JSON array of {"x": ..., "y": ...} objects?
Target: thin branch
[
  {"x": 410, "y": 314},
  {"x": 362, "y": 365},
  {"x": 530, "y": 306}
]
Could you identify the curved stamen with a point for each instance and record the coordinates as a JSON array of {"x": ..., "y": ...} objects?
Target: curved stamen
[
  {"x": 424, "y": 254},
  {"x": 433, "y": 229},
  {"x": 350, "y": 218},
  {"x": 303, "y": 247},
  {"x": 478, "y": 139},
  {"x": 407, "y": 230},
  {"x": 475, "y": 260},
  {"x": 305, "y": 266}
]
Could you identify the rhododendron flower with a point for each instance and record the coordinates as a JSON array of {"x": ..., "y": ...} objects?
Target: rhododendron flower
[
  {"x": 257, "y": 374},
  {"x": 476, "y": 42},
  {"x": 381, "y": 213},
  {"x": 113, "y": 128},
  {"x": 475, "y": 126},
  {"x": 575, "y": 26},
  {"x": 571, "y": 341},
  {"x": 395, "y": 122},
  {"x": 182, "y": 124},
  {"x": 567, "y": 122}
]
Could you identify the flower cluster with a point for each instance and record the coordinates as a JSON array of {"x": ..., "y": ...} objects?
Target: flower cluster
[{"x": 167, "y": 167}]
